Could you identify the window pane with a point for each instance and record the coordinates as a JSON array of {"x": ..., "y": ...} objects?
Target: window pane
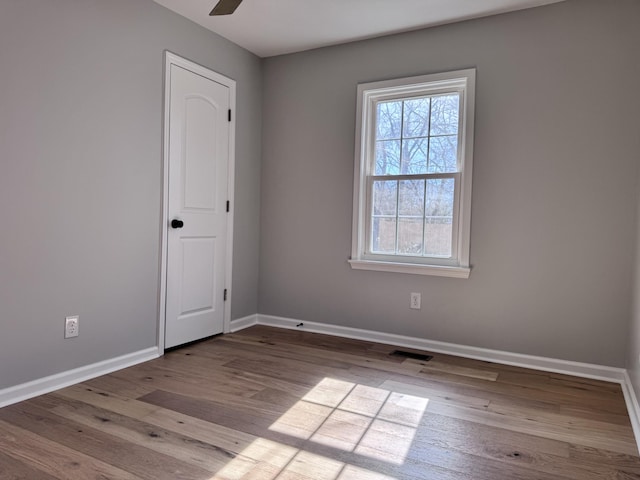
[
  {"x": 388, "y": 157},
  {"x": 444, "y": 114},
  {"x": 443, "y": 154},
  {"x": 411, "y": 198},
  {"x": 438, "y": 230},
  {"x": 416, "y": 117},
  {"x": 414, "y": 156},
  {"x": 383, "y": 235},
  {"x": 410, "y": 236},
  {"x": 385, "y": 197},
  {"x": 388, "y": 120}
]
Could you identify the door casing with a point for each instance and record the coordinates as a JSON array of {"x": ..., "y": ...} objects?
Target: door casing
[{"x": 173, "y": 59}]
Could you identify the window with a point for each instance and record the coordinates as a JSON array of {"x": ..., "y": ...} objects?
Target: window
[{"x": 412, "y": 192}]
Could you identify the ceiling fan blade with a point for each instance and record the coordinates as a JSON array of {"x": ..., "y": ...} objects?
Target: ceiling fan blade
[{"x": 225, "y": 7}]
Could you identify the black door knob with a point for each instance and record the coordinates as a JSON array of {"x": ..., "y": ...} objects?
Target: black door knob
[{"x": 175, "y": 223}]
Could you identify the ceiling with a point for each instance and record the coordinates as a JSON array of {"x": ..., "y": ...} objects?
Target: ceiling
[{"x": 275, "y": 27}]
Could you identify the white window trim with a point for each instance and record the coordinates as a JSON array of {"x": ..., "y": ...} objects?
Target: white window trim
[{"x": 368, "y": 95}]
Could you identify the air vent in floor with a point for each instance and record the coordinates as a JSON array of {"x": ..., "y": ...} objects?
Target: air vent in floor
[{"x": 414, "y": 356}]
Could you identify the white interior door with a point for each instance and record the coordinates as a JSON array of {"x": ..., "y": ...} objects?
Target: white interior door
[{"x": 197, "y": 208}]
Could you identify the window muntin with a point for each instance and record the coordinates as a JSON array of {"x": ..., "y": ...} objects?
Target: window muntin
[
  {"x": 417, "y": 135},
  {"x": 413, "y": 167},
  {"x": 413, "y": 217},
  {"x": 412, "y": 210}
]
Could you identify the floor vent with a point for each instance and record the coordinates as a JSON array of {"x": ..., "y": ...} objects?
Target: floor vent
[{"x": 414, "y": 356}]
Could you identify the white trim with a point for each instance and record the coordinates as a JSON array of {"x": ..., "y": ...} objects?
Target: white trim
[
  {"x": 412, "y": 268},
  {"x": 244, "y": 322},
  {"x": 632, "y": 405},
  {"x": 231, "y": 176},
  {"x": 162, "y": 296},
  {"x": 566, "y": 367},
  {"x": 173, "y": 59},
  {"x": 48, "y": 384}
]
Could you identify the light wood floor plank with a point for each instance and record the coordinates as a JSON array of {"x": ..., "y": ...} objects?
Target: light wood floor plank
[
  {"x": 56, "y": 459},
  {"x": 114, "y": 441},
  {"x": 12, "y": 469}
]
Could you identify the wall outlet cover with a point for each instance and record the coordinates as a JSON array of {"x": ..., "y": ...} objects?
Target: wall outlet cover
[
  {"x": 71, "y": 327},
  {"x": 415, "y": 302}
]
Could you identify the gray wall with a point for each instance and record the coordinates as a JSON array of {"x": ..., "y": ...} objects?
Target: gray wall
[
  {"x": 633, "y": 346},
  {"x": 80, "y": 176},
  {"x": 554, "y": 188}
]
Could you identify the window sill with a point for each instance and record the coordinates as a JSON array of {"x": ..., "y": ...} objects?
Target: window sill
[{"x": 411, "y": 268}]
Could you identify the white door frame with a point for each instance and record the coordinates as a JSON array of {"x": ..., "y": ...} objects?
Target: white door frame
[{"x": 173, "y": 59}]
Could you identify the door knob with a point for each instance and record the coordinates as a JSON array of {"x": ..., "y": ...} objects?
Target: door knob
[{"x": 175, "y": 223}]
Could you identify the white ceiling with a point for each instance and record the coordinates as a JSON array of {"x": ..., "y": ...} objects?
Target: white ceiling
[{"x": 275, "y": 27}]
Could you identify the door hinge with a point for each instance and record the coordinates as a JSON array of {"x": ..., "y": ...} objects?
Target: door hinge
[
  {"x": 229, "y": 114},
  {"x": 228, "y": 206},
  {"x": 225, "y": 294}
]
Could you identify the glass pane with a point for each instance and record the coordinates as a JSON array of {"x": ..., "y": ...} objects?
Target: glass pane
[
  {"x": 410, "y": 236},
  {"x": 411, "y": 198},
  {"x": 438, "y": 230},
  {"x": 416, "y": 117},
  {"x": 383, "y": 235},
  {"x": 385, "y": 197},
  {"x": 388, "y": 157},
  {"x": 443, "y": 154},
  {"x": 444, "y": 114},
  {"x": 414, "y": 156},
  {"x": 388, "y": 120}
]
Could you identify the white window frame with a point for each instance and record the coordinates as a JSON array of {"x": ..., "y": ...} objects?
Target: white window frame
[{"x": 369, "y": 94}]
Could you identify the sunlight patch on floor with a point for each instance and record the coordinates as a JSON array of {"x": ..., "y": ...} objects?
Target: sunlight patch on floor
[
  {"x": 365, "y": 421},
  {"x": 369, "y": 421},
  {"x": 267, "y": 460}
]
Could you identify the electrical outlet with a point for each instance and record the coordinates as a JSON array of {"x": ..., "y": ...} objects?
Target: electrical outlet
[
  {"x": 71, "y": 327},
  {"x": 415, "y": 302}
]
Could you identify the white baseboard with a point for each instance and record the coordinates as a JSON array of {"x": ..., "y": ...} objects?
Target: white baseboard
[
  {"x": 48, "y": 384},
  {"x": 578, "y": 369},
  {"x": 632, "y": 406},
  {"x": 242, "y": 323}
]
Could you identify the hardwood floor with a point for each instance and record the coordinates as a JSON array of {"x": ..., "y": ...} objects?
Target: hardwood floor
[{"x": 268, "y": 404}]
